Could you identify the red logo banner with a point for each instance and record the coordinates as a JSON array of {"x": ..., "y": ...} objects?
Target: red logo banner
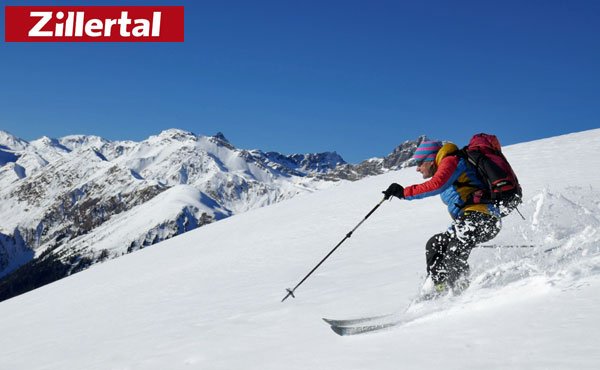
[{"x": 94, "y": 24}]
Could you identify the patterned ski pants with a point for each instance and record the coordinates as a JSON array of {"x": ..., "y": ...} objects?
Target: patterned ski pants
[{"x": 447, "y": 253}]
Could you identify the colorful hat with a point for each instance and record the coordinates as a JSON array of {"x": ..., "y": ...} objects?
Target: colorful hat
[{"x": 427, "y": 151}]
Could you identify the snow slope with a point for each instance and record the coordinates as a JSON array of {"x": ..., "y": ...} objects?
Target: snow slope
[{"x": 210, "y": 298}]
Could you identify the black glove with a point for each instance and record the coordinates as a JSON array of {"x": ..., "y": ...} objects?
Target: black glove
[{"x": 395, "y": 190}]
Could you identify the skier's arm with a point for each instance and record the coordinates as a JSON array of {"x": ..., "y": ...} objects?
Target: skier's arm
[{"x": 446, "y": 174}]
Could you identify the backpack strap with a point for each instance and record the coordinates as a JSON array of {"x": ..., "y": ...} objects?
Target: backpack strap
[{"x": 472, "y": 198}]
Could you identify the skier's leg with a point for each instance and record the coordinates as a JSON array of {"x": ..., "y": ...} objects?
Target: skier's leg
[
  {"x": 471, "y": 229},
  {"x": 435, "y": 252},
  {"x": 457, "y": 265}
]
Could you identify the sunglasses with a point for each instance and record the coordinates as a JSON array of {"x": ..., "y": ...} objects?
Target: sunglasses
[{"x": 420, "y": 162}]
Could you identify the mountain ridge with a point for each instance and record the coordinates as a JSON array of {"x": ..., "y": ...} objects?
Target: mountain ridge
[{"x": 57, "y": 193}]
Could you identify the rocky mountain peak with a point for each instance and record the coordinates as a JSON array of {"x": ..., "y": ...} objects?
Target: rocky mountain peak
[
  {"x": 176, "y": 135},
  {"x": 77, "y": 141},
  {"x": 9, "y": 141},
  {"x": 401, "y": 156},
  {"x": 219, "y": 135},
  {"x": 318, "y": 162},
  {"x": 220, "y": 139},
  {"x": 46, "y": 142}
]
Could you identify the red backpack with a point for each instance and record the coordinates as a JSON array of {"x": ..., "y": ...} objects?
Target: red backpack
[{"x": 484, "y": 153}]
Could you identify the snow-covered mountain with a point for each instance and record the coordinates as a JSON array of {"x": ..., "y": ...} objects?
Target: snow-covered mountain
[
  {"x": 211, "y": 298},
  {"x": 65, "y": 200},
  {"x": 400, "y": 157},
  {"x": 56, "y": 193}
]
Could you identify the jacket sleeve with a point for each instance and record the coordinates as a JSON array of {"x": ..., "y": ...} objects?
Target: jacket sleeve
[{"x": 446, "y": 174}]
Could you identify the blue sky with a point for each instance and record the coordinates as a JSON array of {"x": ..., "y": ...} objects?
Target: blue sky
[{"x": 357, "y": 77}]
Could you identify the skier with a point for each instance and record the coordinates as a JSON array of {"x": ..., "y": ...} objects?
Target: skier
[{"x": 473, "y": 223}]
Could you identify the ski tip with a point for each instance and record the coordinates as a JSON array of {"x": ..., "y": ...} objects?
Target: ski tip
[
  {"x": 341, "y": 331},
  {"x": 336, "y": 327}
]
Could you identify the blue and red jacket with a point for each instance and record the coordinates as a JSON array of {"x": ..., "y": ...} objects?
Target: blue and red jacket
[{"x": 455, "y": 181}]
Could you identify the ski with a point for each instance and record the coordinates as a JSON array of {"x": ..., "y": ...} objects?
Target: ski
[
  {"x": 357, "y": 321},
  {"x": 362, "y": 329},
  {"x": 417, "y": 309}
]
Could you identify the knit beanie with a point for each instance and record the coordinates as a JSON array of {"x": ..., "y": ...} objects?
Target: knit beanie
[{"x": 427, "y": 151}]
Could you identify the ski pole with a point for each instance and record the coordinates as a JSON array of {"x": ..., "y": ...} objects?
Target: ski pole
[
  {"x": 506, "y": 246},
  {"x": 291, "y": 291}
]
